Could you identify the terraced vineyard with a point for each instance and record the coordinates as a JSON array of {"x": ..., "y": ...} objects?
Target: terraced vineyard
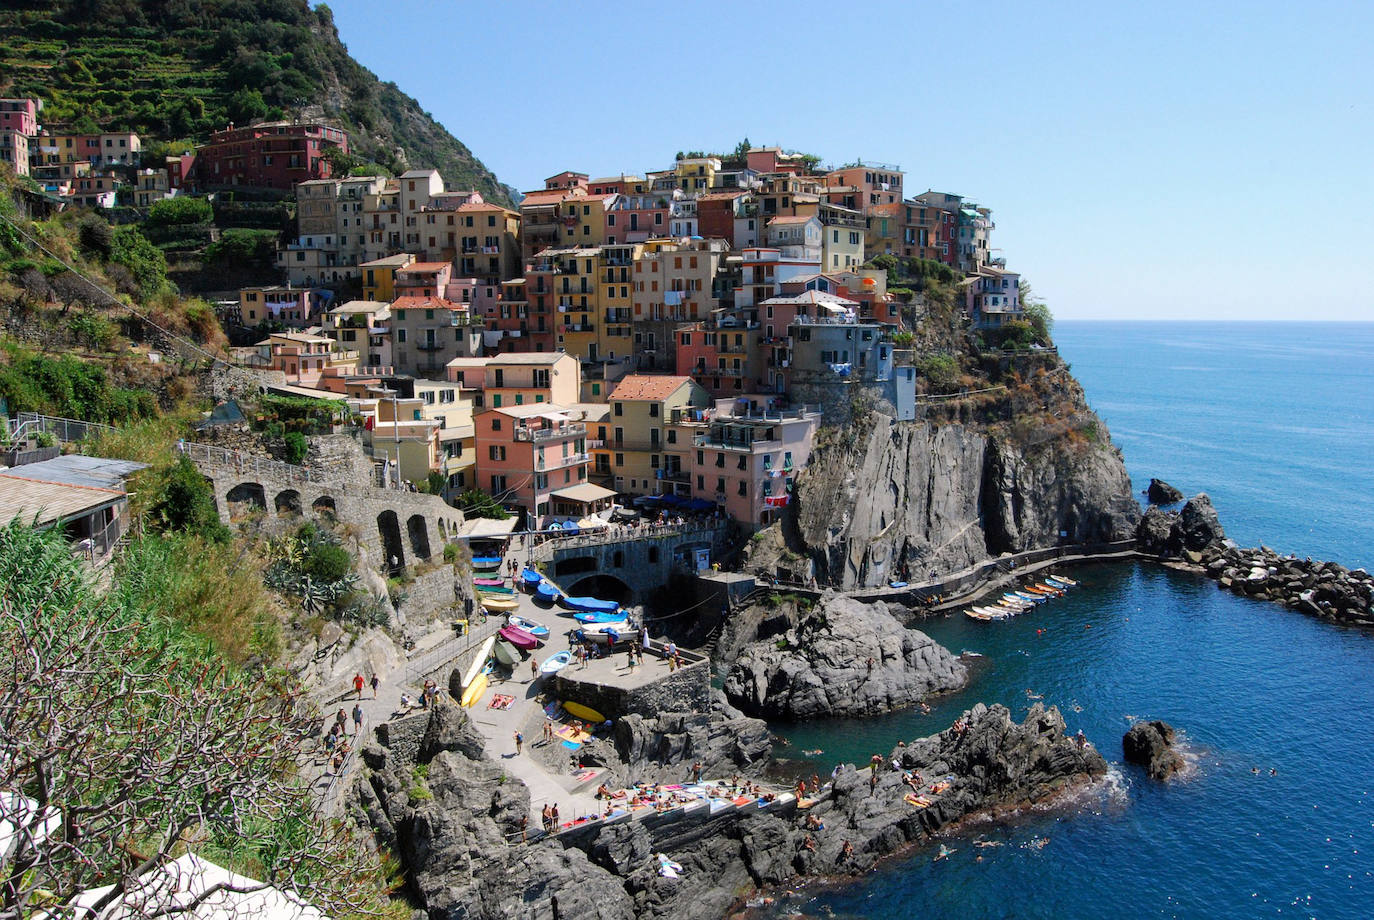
[{"x": 179, "y": 69}]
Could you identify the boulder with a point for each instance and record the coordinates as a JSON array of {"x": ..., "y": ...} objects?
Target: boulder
[
  {"x": 1155, "y": 531},
  {"x": 1161, "y": 493},
  {"x": 1150, "y": 744},
  {"x": 844, "y": 658},
  {"x": 663, "y": 749},
  {"x": 1199, "y": 525}
]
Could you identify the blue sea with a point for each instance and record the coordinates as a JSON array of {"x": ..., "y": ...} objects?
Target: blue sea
[{"x": 1275, "y": 817}]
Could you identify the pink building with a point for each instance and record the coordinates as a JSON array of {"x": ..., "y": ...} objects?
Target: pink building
[
  {"x": 18, "y": 123},
  {"x": 527, "y": 454},
  {"x": 424, "y": 279},
  {"x": 747, "y": 457}
]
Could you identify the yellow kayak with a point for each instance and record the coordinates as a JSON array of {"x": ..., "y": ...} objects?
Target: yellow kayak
[
  {"x": 474, "y": 691},
  {"x": 585, "y": 713},
  {"x": 500, "y": 603}
]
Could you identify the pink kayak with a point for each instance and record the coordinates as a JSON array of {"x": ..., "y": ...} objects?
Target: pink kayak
[
  {"x": 489, "y": 582},
  {"x": 518, "y": 637}
]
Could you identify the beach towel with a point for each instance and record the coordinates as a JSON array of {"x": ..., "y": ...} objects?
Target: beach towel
[{"x": 501, "y": 701}]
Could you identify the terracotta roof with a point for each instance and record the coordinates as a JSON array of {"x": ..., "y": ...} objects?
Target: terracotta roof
[
  {"x": 789, "y": 219},
  {"x": 722, "y": 196},
  {"x": 424, "y": 267},
  {"x": 480, "y": 206},
  {"x": 647, "y": 387},
  {"x": 423, "y": 303}
]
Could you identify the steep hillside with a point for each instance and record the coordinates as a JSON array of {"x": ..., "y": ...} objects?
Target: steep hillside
[{"x": 178, "y": 69}]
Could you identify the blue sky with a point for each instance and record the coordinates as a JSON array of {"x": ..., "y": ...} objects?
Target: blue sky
[{"x": 1171, "y": 161}]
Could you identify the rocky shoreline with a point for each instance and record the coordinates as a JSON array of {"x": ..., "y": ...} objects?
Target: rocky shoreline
[
  {"x": 1192, "y": 539},
  {"x": 453, "y": 818}
]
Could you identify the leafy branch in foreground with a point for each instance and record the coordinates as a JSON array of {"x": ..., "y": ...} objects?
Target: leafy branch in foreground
[{"x": 125, "y": 742}]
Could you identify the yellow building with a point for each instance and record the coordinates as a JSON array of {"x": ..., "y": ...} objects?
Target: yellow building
[
  {"x": 642, "y": 449},
  {"x": 444, "y": 401},
  {"x": 577, "y": 297},
  {"x": 379, "y": 276},
  {"x": 695, "y": 175},
  {"x": 585, "y": 220},
  {"x": 615, "y": 279}
]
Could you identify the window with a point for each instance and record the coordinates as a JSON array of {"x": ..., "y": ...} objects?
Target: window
[
  {"x": 743, "y": 462},
  {"x": 496, "y": 424},
  {"x": 653, "y": 410},
  {"x": 619, "y": 459},
  {"x": 619, "y": 409},
  {"x": 498, "y": 484},
  {"x": 596, "y": 391},
  {"x": 744, "y": 488},
  {"x": 672, "y": 435},
  {"x": 701, "y": 457},
  {"x": 401, "y": 336}
]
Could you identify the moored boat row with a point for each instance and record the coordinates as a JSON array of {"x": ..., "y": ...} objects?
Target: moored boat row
[{"x": 1022, "y": 599}]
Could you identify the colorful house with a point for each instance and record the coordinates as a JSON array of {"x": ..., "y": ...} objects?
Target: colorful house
[
  {"x": 526, "y": 454},
  {"x": 643, "y": 453},
  {"x": 500, "y": 381},
  {"x": 275, "y": 155}
]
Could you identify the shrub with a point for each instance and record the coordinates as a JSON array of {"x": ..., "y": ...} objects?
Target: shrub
[
  {"x": 478, "y": 504},
  {"x": 296, "y": 447},
  {"x": 328, "y": 563},
  {"x": 146, "y": 264},
  {"x": 941, "y": 370},
  {"x": 185, "y": 502},
  {"x": 180, "y": 211}
]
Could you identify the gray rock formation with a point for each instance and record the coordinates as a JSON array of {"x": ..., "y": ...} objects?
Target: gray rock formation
[
  {"x": 663, "y": 749},
  {"x": 1151, "y": 745},
  {"x": 946, "y": 496},
  {"x": 1176, "y": 533},
  {"x": 844, "y": 658},
  {"x": 1160, "y": 492},
  {"x": 450, "y": 824}
]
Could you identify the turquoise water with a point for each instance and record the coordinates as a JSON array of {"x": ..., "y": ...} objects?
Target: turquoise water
[{"x": 1274, "y": 426}]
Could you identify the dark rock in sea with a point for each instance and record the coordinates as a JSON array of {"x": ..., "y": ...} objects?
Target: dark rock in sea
[
  {"x": 1199, "y": 526},
  {"x": 1193, "y": 532},
  {"x": 1150, "y": 744},
  {"x": 844, "y": 657},
  {"x": 1161, "y": 493}
]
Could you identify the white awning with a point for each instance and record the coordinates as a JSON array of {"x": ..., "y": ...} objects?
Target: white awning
[{"x": 485, "y": 529}]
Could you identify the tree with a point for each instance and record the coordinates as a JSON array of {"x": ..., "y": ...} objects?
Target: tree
[
  {"x": 145, "y": 262},
  {"x": 1037, "y": 313},
  {"x": 478, "y": 504},
  {"x": 126, "y": 742},
  {"x": 185, "y": 502}
]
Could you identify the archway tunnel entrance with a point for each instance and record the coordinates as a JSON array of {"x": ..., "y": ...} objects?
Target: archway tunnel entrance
[{"x": 599, "y": 585}]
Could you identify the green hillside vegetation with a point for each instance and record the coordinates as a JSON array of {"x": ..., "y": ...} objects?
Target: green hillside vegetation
[{"x": 179, "y": 69}]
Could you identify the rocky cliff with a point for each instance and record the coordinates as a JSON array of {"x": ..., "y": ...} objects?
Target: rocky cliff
[
  {"x": 843, "y": 658},
  {"x": 885, "y": 499}
]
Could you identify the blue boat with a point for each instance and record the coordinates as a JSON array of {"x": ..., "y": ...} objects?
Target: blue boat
[
  {"x": 486, "y": 562},
  {"x": 589, "y": 604},
  {"x": 546, "y": 592},
  {"x": 599, "y": 617},
  {"x": 530, "y": 577}
]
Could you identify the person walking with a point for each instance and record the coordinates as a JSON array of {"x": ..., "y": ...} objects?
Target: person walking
[
  {"x": 534, "y": 669},
  {"x": 376, "y": 682},
  {"x": 357, "y": 717},
  {"x": 547, "y": 817},
  {"x": 554, "y": 817},
  {"x": 358, "y": 684},
  {"x": 342, "y": 720},
  {"x": 519, "y": 741}
]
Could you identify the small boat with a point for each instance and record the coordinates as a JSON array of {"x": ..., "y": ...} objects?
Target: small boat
[
  {"x": 499, "y": 604},
  {"x": 506, "y": 653},
  {"x": 595, "y": 617},
  {"x": 486, "y": 562},
  {"x": 474, "y": 669},
  {"x": 975, "y": 614},
  {"x": 530, "y": 577},
  {"x": 556, "y": 663},
  {"x": 1013, "y": 603},
  {"x": 518, "y": 637},
  {"x": 585, "y": 713},
  {"x": 488, "y": 582},
  {"x": 602, "y": 633},
  {"x": 994, "y": 613},
  {"x": 1048, "y": 589},
  {"x": 538, "y": 630},
  {"x": 474, "y": 691},
  {"x": 1060, "y": 579},
  {"x": 1033, "y": 598},
  {"x": 546, "y": 592},
  {"x": 589, "y": 604}
]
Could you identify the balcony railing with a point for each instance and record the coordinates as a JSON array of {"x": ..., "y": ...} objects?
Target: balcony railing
[
  {"x": 548, "y": 434},
  {"x": 430, "y": 346},
  {"x": 558, "y": 462}
]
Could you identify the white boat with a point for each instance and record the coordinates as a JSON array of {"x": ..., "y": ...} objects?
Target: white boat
[
  {"x": 483, "y": 653},
  {"x": 556, "y": 663},
  {"x": 1061, "y": 580},
  {"x": 538, "y": 630}
]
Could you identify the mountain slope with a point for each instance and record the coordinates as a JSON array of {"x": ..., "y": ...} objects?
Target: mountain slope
[{"x": 178, "y": 69}]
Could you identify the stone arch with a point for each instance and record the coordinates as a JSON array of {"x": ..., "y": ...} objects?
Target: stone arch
[
  {"x": 393, "y": 549},
  {"x": 288, "y": 501},
  {"x": 251, "y": 494},
  {"x": 324, "y": 505},
  {"x": 418, "y": 529},
  {"x": 575, "y": 565},
  {"x": 600, "y": 585},
  {"x": 443, "y": 531}
]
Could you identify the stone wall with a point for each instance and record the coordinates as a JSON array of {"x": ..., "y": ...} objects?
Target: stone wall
[
  {"x": 684, "y": 690},
  {"x": 401, "y": 737},
  {"x": 430, "y": 595},
  {"x": 643, "y": 560}
]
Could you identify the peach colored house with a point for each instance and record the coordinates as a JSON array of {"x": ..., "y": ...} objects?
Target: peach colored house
[
  {"x": 746, "y": 457},
  {"x": 530, "y": 378},
  {"x": 526, "y": 454}
]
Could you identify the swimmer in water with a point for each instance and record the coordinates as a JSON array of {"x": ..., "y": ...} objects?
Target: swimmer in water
[
  {"x": 987, "y": 843},
  {"x": 943, "y": 854}
]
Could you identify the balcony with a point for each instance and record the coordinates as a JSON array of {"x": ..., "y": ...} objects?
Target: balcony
[
  {"x": 579, "y": 327},
  {"x": 557, "y": 463},
  {"x": 538, "y": 435},
  {"x": 618, "y": 315},
  {"x": 430, "y": 346}
]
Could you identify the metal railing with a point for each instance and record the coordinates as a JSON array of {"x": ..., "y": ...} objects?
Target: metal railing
[{"x": 67, "y": 430}]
